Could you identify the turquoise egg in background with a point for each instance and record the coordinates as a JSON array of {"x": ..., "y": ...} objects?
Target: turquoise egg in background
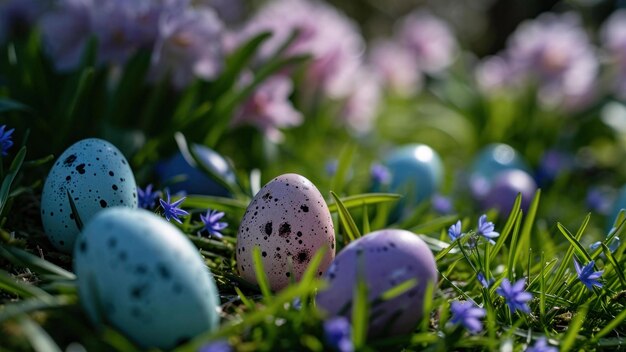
[
  {"x": 142, "y": 275},
  {"x": 618, "y": 204},
  {"x": 489, "y": 162},
  {"x": 181, "y": 175},
  {"x": 415, "y": 172}
]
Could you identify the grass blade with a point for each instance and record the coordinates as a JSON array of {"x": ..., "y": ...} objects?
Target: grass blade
[
  {"x": 346, "y": 219},
  {"x": 343, "y": 167},
  {"x": 37, "y": 336},
  {"x": 616, "y": 266},
  {"x": 364, "y": 199},
  {"x": 5, "y": 189},
  {"x": 572, "y": 331},
  {"x": 261, "y": 278},
  {"x": 21, "y": 257}
]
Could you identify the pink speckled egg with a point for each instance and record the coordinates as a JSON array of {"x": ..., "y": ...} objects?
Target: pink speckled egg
[
  {"x": 388, "y": 258},
  {"x": 289, "y": 221}
]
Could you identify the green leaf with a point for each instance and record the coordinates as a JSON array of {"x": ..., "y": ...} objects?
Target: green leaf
[
  {"x": 217, "y": 203},
  {"x": 579, "y": 247},
  {"x": 435, "y": 224},
  {"x": 5, "y": 189},
  {"x": 37, "y": 336},
  {"x": 364, "y": 199},
  {"x": 22, "y": 289},
  {"x": 508, "y": 226},
  {"x": 346, "y": 219},
  {"x": 261, "y": 277},
  {"x": 249, "y": 304},
  {"x": 514, "y": 249},
  {"x": 573, "y": 329},
  {"x": 343, "y": 167},
  {"x": 33, "y": 262},
  {"x": 8, "y": 105},
  {"x": 616, "y": 266},
  {"x": 366, "y": 220},
  {"x": 34, "y": 304}
]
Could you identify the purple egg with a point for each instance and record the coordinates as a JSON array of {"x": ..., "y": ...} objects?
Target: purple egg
[
  {"x": 506, "y": 186},
  {"x": 388, "y": 258}
]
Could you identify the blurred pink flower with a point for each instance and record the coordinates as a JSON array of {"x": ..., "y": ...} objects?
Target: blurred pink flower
[
  {"x": 189, "y": 46},
  {"x": 361, "y": 107},
  {"x": 333, "y": 40},
  {"x": 492, "y": 74},
  {"x": 430, "y": 40},
  {"x": 269, "y": 107},
  {"x": 396, "y": 67},
  {"x": 555, "y": 52},
  {"x": 66, "y": 30},
  {"x": 613, "y": 34}
]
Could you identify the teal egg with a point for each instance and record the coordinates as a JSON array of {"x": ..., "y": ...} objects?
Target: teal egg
[
  {"x": 490, "y": 161},
  {"x": 416, "y": 172},
  {"x": 142, "y": 275},
  {"x": 618, "y": 204}
]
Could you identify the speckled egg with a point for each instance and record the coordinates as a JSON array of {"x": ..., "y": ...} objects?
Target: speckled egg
[
  {"x": 490, "y": 161},
  {"x": 140, "y": 274},
  {"x": 97, "y": 176},
  {"x": 388, "y": 258},
  {"x": 289, "y": 220},
  {"x": 194, "y": 180},
  {"x": 505, "y": 188}
]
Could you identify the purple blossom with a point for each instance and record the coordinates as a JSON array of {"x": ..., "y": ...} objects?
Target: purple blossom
[
  {"x": 361, "y": 105},
  {"x": 397, "y": 69},
  {"x": 587, "y": 276},
  {"x": 454, "y": 232},
  {"x": 115, "y": 27},
  {"x": 613, "y": 34},
  {"x": 331, "y": 38},
  {"x": 171, "y": 210},
  {"x": 430, "y": 41},
  {"x": 514, "y": 295},
  {"x": 65, "y": 32},
  {"x": 331, "y": 167},
  {"x": 189, "y": 46},
  {"x": 600, "y": 199},
  {"x": 468, "y": 315},
  {"x": 493, "y": 74},
  {"x": 147, "y": 197},
  {"x": 555, "y": 52},
  {"x": 17, "y": 17},
  {"x": 337, "y": 334},
  {"x": 486, "y": 229},
  {"x": 212, "y": 223},
  {"x": 541, "y": 345},
  {"x": 380, "y": 174},
  {"x": 6, "y": 141},
  {"x": 216, "y": 346},
  {"x": 442, "y": 204},
  {"x": 483, "y": 281},
  {"x": 269, "y": 108}
]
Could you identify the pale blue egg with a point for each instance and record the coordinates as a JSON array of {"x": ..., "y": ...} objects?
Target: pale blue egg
[
  {"x": 96, "y": 175},
  {"x": 490, "y": 161},
  {"x": 142, "y": 275}
]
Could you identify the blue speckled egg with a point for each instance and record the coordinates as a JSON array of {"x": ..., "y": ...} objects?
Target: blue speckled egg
[
  {"x": 490, "y": 161},
  {"x": 195, "y": 180},
  {"x": 505, "y": 188},
  {"x": 387, "y": 258},
  {"x": 416, "y": 172},
  {"x": 97, "y": 176},
  {"x": 140, "y": 274}
]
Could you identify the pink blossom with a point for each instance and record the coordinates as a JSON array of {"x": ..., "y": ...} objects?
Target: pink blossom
[{"x": 396, "y": 67}]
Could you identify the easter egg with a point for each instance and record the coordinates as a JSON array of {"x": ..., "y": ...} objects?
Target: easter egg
[
  {"x": 505, "y": 188},
  {"x": 96, "y": 176},
  {"x": 289, "y": 221},
  {"x": 140, "y": 274},
  {"x": 490, "y": 161},
  {"x": 193, "y": 179},
  {"x": 416, "y": 171},
  {"x": 618, "y": 204},
  {"x": 384, "y": 259}
]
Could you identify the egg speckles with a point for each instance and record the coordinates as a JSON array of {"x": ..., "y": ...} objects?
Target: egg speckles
[
  {"x": 96, "y": 175},
  {"x": 140, "y": 274},
  {"x": 289, "y": 220},
  {"x": 388, "y": 258}
]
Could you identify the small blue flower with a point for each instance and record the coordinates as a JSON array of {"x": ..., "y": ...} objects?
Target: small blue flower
[
  {"x": 337, "y": 333},
  {"x": 542, "y": 346},
  {"x": 587, "y": 276},
  {"x": 331, "y": 167},
  {"x": 483, "y": 281},
  {"x": 486, "y": 229},
  {"x": 455, "y": 231},
  {"x": 212, "y": 224},
  {"x": 515, "y": 295},
  {"x": 147, "y": 197},
  {"x": 5, "y": 139},
  {"x": 613, "y": 245},
  {"x": 442, "y": 204},
  {"x": 380, "y": 174},
  {"x": 171, "y": 210},
  {"x": 216, "y": 346},
  {"x": 467, "y": 314}
]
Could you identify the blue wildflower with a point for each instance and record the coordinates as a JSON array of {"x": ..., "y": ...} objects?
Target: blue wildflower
[
  {"x": 171, "y": 210},
  {"x": 380, "y": 174},
  {"x": 613, "y": 245},
  {"x": 331, "y": 167},
  {"x": 337, "y": 333},
  {"x": 486, "y": 229},
  {"x": 587, "y": 276},
  {"x": 212, "y": 223},
  {"x": 5, "y": 139},
  {"x": 483, "y": 281},
  {"x": 467, "y": 314},
  {"x": 542, "y": 346},
  {"x": 216, "y": 346},
  {"x": 515, "y": 295},
  {"x": 147, "y": 197},
  {"x": 441, "y": 204},
  {"x": 455, "y": 231}
]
